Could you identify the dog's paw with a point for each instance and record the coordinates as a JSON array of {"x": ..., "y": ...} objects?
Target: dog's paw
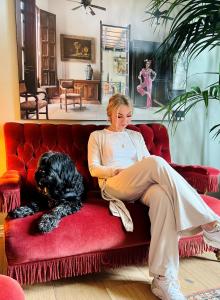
[
  {"x": 21, "y": 212},
  {"x": 47, "y": 223}
]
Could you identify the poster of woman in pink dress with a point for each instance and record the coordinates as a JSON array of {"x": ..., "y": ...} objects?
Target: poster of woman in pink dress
[{"x": 146, "y": 77}]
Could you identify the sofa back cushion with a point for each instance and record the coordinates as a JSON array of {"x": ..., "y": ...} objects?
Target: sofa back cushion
[{"x": 25, "y": 143}]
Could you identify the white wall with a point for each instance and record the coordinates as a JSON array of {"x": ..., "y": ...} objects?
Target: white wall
[
  {"x": 192, "y": 142},
  {"x": 8, "y": 72}
]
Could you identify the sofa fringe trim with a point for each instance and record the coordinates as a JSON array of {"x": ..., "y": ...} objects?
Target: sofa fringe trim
[
  {"x": 54, "y": 269},
  {"x": 9, "y": 199},
  {"x": 43, "y": 271},
  {"x": 190, "y": 246}
]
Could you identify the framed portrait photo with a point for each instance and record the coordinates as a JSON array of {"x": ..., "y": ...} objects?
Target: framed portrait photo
[{"x": 79, "y": 48}]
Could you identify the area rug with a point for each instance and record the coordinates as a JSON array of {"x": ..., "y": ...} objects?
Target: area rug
[{"x": 213, "y": 294}]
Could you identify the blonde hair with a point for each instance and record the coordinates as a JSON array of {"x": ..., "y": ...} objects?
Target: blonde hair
[{"x": 116, "y": 101}]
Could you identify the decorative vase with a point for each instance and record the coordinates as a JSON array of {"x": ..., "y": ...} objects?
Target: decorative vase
[{"x": 89, "y": 72}]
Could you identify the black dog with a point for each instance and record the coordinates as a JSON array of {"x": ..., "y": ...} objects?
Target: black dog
[{"x": 58, "y": 179}]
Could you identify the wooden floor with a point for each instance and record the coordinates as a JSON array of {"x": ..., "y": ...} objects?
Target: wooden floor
[{"x": 127, "y": 283}]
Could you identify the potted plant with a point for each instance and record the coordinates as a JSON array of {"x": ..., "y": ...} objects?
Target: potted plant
[{"x": 195, "y": 26}]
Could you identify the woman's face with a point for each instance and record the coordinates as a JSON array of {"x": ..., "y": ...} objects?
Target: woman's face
[
  {"x": 147, "y": 63},
  {"x": 121, "y": 117}
]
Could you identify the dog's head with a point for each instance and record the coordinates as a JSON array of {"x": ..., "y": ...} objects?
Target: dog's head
[{"x": 55, "y": 174}]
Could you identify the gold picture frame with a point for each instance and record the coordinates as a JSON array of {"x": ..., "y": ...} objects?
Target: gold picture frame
[{"x": 77, "y": 48}]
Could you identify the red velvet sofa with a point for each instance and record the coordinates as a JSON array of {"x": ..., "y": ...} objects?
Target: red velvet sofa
[{"x": 91, "y": 239}]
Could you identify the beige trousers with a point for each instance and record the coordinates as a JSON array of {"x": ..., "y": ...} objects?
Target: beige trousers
[{"x": 174, "y": 208}]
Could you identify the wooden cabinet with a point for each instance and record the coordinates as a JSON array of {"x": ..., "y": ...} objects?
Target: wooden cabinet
[{"x": 88, "y": 88}]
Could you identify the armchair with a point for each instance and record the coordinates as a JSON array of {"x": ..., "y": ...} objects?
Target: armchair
[
  {"x": 31, "y": 104},
  {"x": 69, "y": 94}
]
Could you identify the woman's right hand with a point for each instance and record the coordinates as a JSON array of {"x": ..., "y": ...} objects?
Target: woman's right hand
[{"x": 117, "y": 171}]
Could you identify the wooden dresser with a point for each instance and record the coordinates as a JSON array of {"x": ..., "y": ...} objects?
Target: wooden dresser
[{"x": 89, "y": 88}]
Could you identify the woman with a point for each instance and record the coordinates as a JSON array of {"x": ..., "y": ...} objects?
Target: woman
[
  {"x": 127, "y": 172},
  {"x": 146, "y": 77}
]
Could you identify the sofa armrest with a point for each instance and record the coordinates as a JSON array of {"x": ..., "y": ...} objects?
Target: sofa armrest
[
  {"x": 202, "y": 178},
  {"x": 9, "y": 191}
]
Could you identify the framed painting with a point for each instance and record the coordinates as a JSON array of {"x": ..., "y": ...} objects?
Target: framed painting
[
  {"x": 120, "y": 63},
  {"x": 78, "y": 48}
]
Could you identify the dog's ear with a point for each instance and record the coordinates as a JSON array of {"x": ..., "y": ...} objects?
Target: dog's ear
[
  {"x": 56, "y": 165},
  {"x": 41, "y": 173},
  {"x": 56, "y": 171},
  {"x": 68, "y": 170},
  {"x": 44, "y": 158}
]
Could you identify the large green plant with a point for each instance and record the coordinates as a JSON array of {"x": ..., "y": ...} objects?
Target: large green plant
[
  {"x": 184, "y": 102},
  {"x": 194, "y": 28}
]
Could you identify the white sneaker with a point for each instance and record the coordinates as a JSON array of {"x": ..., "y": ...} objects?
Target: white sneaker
[
  {"x": 167, "y": 288},
  {"x": 212, "y": 238}
]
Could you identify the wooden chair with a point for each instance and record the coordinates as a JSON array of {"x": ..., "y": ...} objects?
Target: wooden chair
[
  {"x": 69, "y": 94},
  {"x": 31, "y": 104}
]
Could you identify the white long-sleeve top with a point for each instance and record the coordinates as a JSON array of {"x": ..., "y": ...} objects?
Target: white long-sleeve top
[
  {"x": 108, "y": 151},
  {"x": 105, "y": 149}
]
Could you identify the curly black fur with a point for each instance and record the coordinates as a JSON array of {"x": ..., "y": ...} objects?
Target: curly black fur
[{"x": 62, "y": 185}]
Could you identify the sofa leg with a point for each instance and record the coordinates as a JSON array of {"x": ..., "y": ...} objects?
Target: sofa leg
[{"x": 217, "y": 254}]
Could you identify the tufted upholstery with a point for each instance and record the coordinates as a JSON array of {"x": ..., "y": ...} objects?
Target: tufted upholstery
[{"x": 26, "y": 142}]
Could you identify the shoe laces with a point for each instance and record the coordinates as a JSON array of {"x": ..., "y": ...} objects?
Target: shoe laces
[{"x": 216, "y": 228}]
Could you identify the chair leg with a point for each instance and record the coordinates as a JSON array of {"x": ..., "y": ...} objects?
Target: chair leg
[
  {"x": 60, "y": 103},
  {"x": 47, "y": 112},
  {"x": 37, "y": 112},
  {"x": 80, "y": 102},
  {"x": 26, "y": 113},
  {"x": 66, "y": 104}
]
